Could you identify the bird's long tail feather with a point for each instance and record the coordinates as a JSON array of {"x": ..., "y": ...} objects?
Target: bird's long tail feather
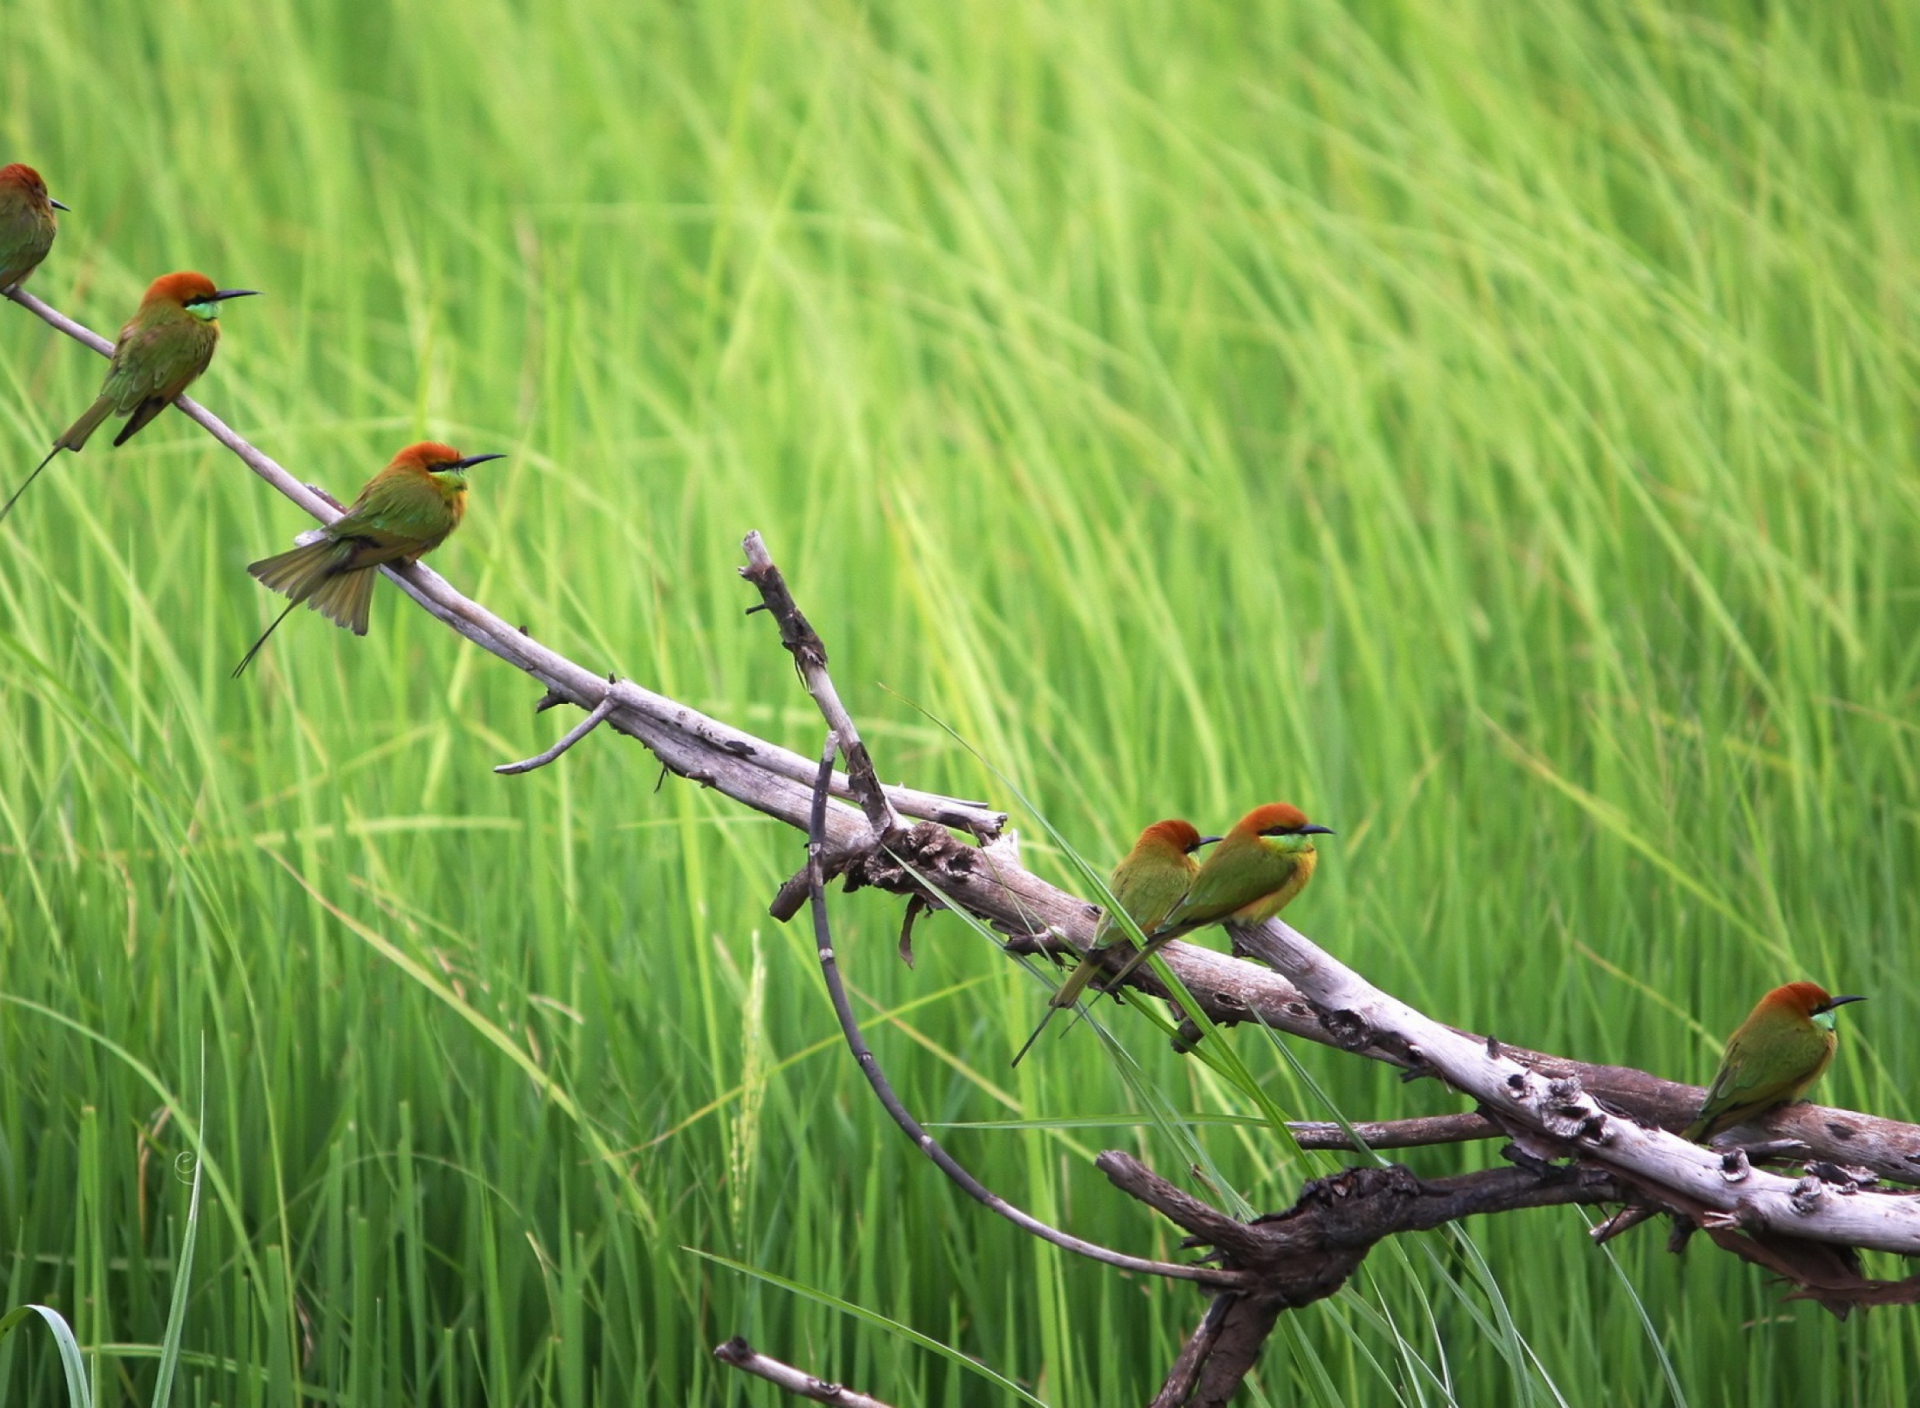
[
  {"x": 74, "y": 438},
  {"x": 30, "y": 478},
  {"x": 1028, "y": 1046},
  {"x": 1068, "y": 994},
  {"x": 254, "y": 649},
  {"x": 316, "y": 573}
]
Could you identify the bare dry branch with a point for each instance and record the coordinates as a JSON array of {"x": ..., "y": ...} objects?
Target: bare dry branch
[
  {"x": 1396, "y": 1134},
  {"x": 799, "y": 1382},
  {"x": 1184, "y": 1377},
  {"x": 1608, "y": 1120},
  {"x": 1043, "y": 919}
]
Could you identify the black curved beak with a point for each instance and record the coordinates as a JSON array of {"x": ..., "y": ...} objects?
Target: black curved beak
[
  {"x": 1208, "y": 841},
  {"x": 1834, "y": 1002},
  {"x": 222, "y": 293},
  {"x": 56, "y": 204},
  {"x": 471, "y": 460},
  {"x": 1316, "y": 829}
]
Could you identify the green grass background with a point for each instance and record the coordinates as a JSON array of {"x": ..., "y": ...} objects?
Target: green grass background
[{"x": 1488, "y": 425}]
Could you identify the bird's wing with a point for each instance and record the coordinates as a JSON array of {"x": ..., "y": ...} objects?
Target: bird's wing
[
  {"x": 1218, "y": 890},
  {"x": 1146, "y": 893},
  {"x": 23, "y": 244},
  {"x": 409, "y": 506},
  {"x": 372, "y": 545},
  {"x": 1744, "y": 1080},
  {"x": 1731, "y": 1083},
  {"x": 157, "y": 360}
]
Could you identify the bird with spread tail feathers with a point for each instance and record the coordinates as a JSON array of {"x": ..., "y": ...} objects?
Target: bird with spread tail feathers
[
  {"x": 404, "y": 512},
  {"x": 27, "y": 225},
  {"x": 1773, "y": 1058},
  {"x": 166, "y": 344},
  {"x": 1148, "y": 882}
]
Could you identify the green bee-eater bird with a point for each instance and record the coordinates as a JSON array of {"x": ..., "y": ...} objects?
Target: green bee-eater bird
[
  {"x": 27, "y": 226},
  {"x": 1262, "y": 863},
  {"x": 404, "y": 512},
  {"x": 1147, "y": 883},
  {"x": 1773, "y": 1058},
  {"x": 163, "y": 347}
]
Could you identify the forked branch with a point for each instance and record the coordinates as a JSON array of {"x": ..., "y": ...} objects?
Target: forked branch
[{"x": 1307, "y": 1252}]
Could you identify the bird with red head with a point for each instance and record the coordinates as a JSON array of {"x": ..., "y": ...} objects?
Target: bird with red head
[
  {"x": 27, "y": 224},
  {"x": 167, "y": 343}
]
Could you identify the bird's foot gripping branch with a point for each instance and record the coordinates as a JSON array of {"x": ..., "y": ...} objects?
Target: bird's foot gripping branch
[{"x": 1575, "y": 1132}]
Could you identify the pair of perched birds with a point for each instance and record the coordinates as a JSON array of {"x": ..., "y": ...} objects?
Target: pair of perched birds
[
  {"x": 1772, "y": 1059},
  {"x": 403, "y": 512},
  {"x": 1260, "y": 866}
]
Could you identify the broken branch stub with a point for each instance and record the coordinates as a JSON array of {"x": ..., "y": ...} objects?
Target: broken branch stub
[
  {"x": 743, "y": 1356},
  {"x": 810, "y": 659}
]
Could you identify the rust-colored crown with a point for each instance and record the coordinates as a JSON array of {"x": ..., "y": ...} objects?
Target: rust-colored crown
[
  {"x": 1805, "y": 999},
  {"x": 181, "y": 288},
  {"x": 1183, "y": 836},
  {"x": 1274, "y": 816},
  {"x": 426, "y": 454},
  {"x": 25, "y": 177}
]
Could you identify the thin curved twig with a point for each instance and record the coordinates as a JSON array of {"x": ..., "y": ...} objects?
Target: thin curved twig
[
  {"x": 572, "y": 736},
  {"x": 883, "y": 1088}
]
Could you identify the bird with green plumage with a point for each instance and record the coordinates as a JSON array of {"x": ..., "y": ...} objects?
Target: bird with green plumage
[
  {"x": 1772, "y": 1059},
  {"x": 404, "y": 512},
  {"x": 1258, "y": 869},
  {"x": 167, "y": 343},
  {"x": 27, "y": 224},
  {"x": 1147, "y": 883}
]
